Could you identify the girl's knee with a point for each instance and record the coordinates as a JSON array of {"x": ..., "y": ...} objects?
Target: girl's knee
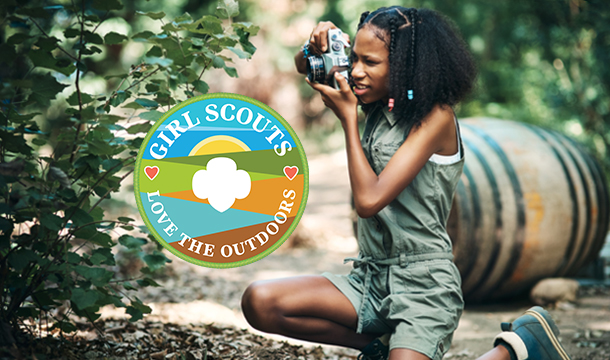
[{"x": 258, "y": 305}]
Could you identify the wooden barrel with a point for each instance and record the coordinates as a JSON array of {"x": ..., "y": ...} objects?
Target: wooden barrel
[{"x": 531, "y": 203}]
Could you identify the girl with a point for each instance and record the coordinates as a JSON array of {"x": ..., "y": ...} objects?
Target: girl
[{"x": 403, "y": 296}]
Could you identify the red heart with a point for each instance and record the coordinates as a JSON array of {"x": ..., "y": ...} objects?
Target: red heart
[
  {"x": 291, "y": 172},
  {"x": 151, "y": 172}
]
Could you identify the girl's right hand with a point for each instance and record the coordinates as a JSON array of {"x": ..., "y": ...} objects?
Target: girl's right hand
[{"x": 318, "y": 44}]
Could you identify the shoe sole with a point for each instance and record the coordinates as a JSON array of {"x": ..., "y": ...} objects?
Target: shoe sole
[{"x": 549, "y": 331}]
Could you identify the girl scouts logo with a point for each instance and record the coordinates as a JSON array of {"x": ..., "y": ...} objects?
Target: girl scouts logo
[{"x": 221, "y": 180}]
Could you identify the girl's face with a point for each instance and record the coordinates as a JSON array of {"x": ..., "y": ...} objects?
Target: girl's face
[{"x": 370, "y": 67}]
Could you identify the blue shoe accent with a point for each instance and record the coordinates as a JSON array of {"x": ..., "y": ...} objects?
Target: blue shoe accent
[
  {"x": 538, "y": 332},
  {"x": 375, "y": 350}
]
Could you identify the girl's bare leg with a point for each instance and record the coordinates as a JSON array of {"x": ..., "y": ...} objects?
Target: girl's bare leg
[
  {"x": 305, "y": 307},
  {"x": 497, "y": 353}
]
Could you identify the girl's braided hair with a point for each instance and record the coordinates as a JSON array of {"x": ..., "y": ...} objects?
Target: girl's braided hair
[{"x": 427, "y": 56}]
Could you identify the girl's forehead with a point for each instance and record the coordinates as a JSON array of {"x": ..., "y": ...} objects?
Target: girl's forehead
[{"x": 368, "y": 38}]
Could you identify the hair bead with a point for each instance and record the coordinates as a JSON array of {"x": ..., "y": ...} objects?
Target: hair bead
[{"x": 390, "y": 104}]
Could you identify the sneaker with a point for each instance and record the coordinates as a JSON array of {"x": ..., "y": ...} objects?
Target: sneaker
[
  {"x": 377, "y": 349},
  {"x": 533, "y": 335}
]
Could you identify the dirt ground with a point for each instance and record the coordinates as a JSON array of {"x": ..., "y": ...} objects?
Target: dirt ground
[{"x": 195, "y": 295}]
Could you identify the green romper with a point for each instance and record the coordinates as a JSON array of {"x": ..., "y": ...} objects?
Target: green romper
[{"x": 404, "y": 281}]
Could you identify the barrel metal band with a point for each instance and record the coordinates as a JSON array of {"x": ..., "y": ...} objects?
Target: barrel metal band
[{"x": 372, "y": 265}]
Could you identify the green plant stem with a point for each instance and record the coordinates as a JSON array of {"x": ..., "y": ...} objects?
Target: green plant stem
[{"x": 77, "y": 83}]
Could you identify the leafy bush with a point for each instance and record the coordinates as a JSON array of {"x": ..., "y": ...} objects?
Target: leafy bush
[{"x": 56, "y": 246}]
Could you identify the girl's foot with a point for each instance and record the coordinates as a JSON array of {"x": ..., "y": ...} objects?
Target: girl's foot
[
  {"x": 533, "y": 335},
  {"x": 377, "y": 349}
]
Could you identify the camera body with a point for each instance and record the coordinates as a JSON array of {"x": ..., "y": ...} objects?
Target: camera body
[{"x": 321, "y": 68}]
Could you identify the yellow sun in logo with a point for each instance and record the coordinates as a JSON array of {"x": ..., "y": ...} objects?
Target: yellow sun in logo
[{"x": 219, "y": 144}]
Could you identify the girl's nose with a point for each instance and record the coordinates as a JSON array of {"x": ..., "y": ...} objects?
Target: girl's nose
[{"x": 357, "y": 72}]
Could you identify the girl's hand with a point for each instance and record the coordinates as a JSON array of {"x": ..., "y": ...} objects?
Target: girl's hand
[
  {"x": 342, "y": 102},
  {"x": 318, "y": 40},
  {"x": 318, "y": 44}
]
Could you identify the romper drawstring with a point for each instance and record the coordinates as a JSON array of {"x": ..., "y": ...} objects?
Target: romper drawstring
[{"x": 372, "y": 266}]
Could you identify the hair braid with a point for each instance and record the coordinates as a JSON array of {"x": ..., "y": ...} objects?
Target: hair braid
[
  {"x": 412, "y": 18},
  {"x": 392, "y": 51},
  {"x": 363, "y": 17}
]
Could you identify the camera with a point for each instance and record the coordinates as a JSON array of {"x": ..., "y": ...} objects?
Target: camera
[{"x": 322, "y": 68}]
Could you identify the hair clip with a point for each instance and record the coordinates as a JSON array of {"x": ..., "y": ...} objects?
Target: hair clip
[
  {"x": 410, "y": 94},
  {"x": 390, "y": 104}
]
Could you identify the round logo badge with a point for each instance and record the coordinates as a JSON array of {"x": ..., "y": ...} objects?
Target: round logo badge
[{"x": 221, "y": 180}]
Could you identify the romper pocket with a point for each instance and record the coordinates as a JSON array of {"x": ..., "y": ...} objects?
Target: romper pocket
[
  {"x": 382, "y": 153},
  {"x": 423, "y": 277}
]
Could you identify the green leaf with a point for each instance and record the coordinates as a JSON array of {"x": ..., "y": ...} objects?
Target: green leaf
[
  {"x": 131, "y": 242},
  {"x": 152, "y": 15},
  {"x": 120, "y": 97},
  {"x": 139, "y": 128},
  {"x": 73, "y": 99},
  {"x": 218, "y": 62},
  {"x": 242, "y": 54},
  {"x": 102, "y": 256},
  {"x": 152, "y": 115},
  {"x": 201, "y": 86},
  {"x": 51, "y": 222},
  {"x": 84, "y": 298},
  {"x": 113, "y": 38},
  {"x": 153, "y": 60},
  {"x": 46, "y": 89},
  {"x": 102, "y": 239},
  {"x": 107, "y": 5},
  {"x": 112, "y": 165},
  {"x": 137, "y": 309},
  {"x": 44, "y": 58},
  {"x": 80, "y": 217},
  {"x": 71, "y": 33},
  {"x": 147, "y": 282},
  {"x": 142, "y": 35},
  {"x": 147, "y": 103},
  {"x": 21, "y": 258},
  {"x": 183, "y": 19},
  {"x": 133, "y": 105},
  {"x": 156, "y": 260},
  {"x": 17, "y": 38},
  {"x": 98, "y": 276},
  {"x": 209, "y": 25},
  {"x": 73, "y": 258},
  {"x": 227, "y": 9},
  {"x": 231, "y": 71},
  {"x": 125, "y": 219},
  {"x": 169, "y": 27},
  {"x": 93, "y": 38},
  {"x": 127, "y": 285}
]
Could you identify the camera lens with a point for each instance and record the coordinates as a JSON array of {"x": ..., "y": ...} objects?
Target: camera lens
[{"x": 315, "y": 69}]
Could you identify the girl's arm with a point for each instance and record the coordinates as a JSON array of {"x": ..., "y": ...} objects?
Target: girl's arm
[{"x": 372, "y": 192}]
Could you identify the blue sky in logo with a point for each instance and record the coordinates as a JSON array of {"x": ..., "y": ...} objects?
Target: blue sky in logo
[
  {"x": 197, "y": 219},
  {"x": 242, "y": 116}
]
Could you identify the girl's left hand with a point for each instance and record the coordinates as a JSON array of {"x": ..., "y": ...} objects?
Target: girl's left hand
[{"x": 342, "y": 102}]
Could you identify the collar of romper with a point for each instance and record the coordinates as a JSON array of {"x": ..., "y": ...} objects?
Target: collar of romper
[{"x": 388, "y": 115}]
